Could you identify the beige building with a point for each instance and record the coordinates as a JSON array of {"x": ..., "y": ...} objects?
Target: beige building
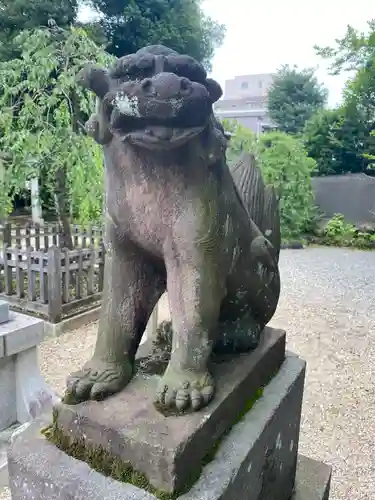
[{"x": 245, "y": 100}]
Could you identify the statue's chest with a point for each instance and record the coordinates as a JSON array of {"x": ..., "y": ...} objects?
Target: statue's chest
[
  {"x": 147, "y": 199},
  {"x": 142, "y": 209}
]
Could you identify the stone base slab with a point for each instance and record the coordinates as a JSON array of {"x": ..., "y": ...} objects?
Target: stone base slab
[
  {"x": 23, "y": 391},
  {"x": 20, "y": 332},
  {"x": 4, "y": 311},
  {"x": 257, "y": 460},
  {"x": 5, "y": 440},
  {"x": 169, "y": 450},
  {"x": 313, "y": 480}
]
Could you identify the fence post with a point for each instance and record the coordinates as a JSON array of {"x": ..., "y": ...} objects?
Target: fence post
[
  {"x": 37, "y": 236},
  {"x": 7, "y": 236},
  {"x": 27, "y": 236},
  {"x": 8, "y": 272},
  {"x": 54, "y": 285},
  {"x": 101, "y": 254}
]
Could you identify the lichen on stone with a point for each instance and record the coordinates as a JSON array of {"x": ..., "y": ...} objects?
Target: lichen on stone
[
  {"x": 103, "y": 462},
  {"x": 126, "y": 105}
]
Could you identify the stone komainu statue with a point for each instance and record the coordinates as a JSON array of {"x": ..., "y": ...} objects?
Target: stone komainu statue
[{"x": 176, "y": 219}]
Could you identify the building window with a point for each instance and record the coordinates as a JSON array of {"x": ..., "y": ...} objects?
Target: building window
[{"x": 244, "y": 85}]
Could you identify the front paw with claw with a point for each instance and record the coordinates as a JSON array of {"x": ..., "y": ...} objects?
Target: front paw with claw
[
  {"x": 184, "y": 390},
  {"x": 97, "y": 380}
]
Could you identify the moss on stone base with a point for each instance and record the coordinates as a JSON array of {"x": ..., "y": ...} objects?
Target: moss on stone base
[{"x": 100, "y": 460}]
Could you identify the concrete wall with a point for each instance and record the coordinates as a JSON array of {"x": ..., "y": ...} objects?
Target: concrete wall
[{"x": 351, "y": 195}]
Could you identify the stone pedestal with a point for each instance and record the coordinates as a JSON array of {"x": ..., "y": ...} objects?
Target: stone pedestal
[
  {"x": 239, "y": 447},
  {"x": 4, "y": 312},
  {"x": 23, "y": 392}
]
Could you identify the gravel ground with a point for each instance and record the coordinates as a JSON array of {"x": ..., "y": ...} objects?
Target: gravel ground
[{"x": 328, "y": 310}]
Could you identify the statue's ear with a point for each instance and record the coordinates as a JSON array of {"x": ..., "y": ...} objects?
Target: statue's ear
[
  {"x": 214, "y": 89},
  {"x": 95, "y": 79}
]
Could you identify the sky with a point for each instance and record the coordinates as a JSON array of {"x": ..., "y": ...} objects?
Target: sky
[{"x": 263, "y": 35}]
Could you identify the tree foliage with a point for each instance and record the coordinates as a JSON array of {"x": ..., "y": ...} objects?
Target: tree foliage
[
  {"x": 129, "y": 25},
  {"x": 335, "y": 139},
  {"x": 42, "y": 118},
  {"x": 285, "y": 165},
  {"x": 355, "y": 52},
  {"x": 19, "y": 15},
  {"x": 294, "y": 97},
  {"x": 352, "y": 52}
]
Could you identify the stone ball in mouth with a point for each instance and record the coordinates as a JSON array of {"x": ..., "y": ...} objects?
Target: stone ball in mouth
[{"x": 165, "y": 110}]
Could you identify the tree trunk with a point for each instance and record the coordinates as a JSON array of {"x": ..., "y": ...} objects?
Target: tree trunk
[{"x": 61, "y": 196}]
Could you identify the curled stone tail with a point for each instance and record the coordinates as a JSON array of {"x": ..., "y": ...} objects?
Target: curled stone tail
[{"x": 260, "y": 201}]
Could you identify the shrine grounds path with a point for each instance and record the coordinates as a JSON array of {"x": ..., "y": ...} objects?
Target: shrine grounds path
[{"x": 327, "y": 308}]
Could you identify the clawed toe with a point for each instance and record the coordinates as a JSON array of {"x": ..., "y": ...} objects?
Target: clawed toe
[
  {"x": 177, "y": 393},
  {"x": 96, "y": 381}
]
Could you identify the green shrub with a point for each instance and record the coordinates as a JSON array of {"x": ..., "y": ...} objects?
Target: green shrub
[
  {"x": 241, "y": 141},
  {"x": 284, "y": 164},
  {"x": 342, "y": 234}
]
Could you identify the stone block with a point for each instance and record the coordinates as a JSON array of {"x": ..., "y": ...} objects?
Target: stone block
[
  {"x": 34, "y": 396},
  {"x": 3, "y": 467},
  {"x": 8, "y": 391},
  {"x": 4, "y": 311},
  {"x": 20, "y": 333},
  {"x": 5, "y": 439},
  {"x": 255, "y": 461},
  {"x": 23, "y": 392},
  {"x": 169, "y": 451},
  {"x": 313, "y": 480}
]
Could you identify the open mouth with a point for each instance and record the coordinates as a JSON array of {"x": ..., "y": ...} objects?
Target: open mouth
[
  {"x": 162, "y": 137},
  {"x": 140, "y": 132}
]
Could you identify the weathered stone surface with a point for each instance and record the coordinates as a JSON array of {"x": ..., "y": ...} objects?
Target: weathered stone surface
[
  {"x": 5, "y": 440},
  {"x": 3, "y": 467},
  {"x": 313, "y": 480},
  {"x": 20, "y": 332},
  {"x": 175, "y": 219},
  {"x": 38, "y": 470},
  {"x": 169, "y": 450},
  {"x": 33, "y": 396},
  {"x": 4, "y": 311},
  {"x": 8, "y": 406},
  {"x": 23, "y": 391},
  {"x": 255, "y": 461}
]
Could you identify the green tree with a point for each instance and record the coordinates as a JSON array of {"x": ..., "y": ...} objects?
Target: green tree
[
  {"x": 129, "y": 25},
  {"x": 355, "y": 52},
  {"x": 285, "y": 165},
  {"x": 335, "y": 138},
  {"x": 18, "y": 15},
  {"x": 294, "y": 97},
  {"x": 42, "y": 119}
]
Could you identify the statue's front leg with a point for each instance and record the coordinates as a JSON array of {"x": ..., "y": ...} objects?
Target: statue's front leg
[
  {"x": 132, "y": 287},
  {"x": 196, "y": 287}
]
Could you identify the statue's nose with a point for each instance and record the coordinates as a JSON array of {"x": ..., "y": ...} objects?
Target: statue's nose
[
  {"x": 166, "y": 86},
  {"x": 185, "y": 86},
  {"x": 147, "y": 87}
]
